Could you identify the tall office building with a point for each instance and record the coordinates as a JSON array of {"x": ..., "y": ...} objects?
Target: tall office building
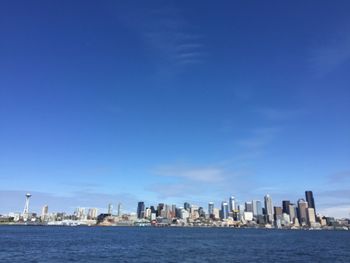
[
  {"x": 92, "y": 213},
  {"x": 119, "y": 213},
  {"x": 257, "y": 208},
  {"x": 285, "y": 206},
  {"x": 44, "y": 212},
  {"x": 310, "y": 200},
  {"x": 248, "y": 207},
  {"x": 302, "y": 211},
  {"x": 277, "y": 212},
  {"x": 110, "y": 209},
  {"x": 268, "y": 208},
  {"x": 140, "y": 210},
  {"x": 224, "y": 210},
  {"x": 159, "y": 209},
  {"x": 211, "y": 208},
  {"x": 232, "y": 204},
  {"x": 292, "y": 212},
  {"x": 311, "y": 219},
  {"x": 173, "y": 210},
  {"x": 187, "y": 206}
]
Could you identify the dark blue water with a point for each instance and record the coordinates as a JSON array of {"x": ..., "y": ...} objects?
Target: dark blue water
[{"x": 130, "y": 244}]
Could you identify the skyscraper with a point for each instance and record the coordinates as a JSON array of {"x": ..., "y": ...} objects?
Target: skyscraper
[
  {"x": 302, "y": 211},
  {"x": 310, "y": 200},
  {"x": 44, "y": 212},
  {"x": 224, "y": 210},
  {"x": 187, "y": 206},
  {"x": 268, "y": 208},
  {"x": 285, "y": 206},
  {"x": 292, "y": 212},
  {"x": 160, "y": 207},
  {"x": 119, "y": 213},
  {"x": 248, "y": 207},
  {"x": 110, "y": 209},
  {"x": 232, "y": 204},
  {"x": 92, "y": 213},
  {"x": 211, "y": 208},
  {"x": 257, "y": 208},
  {"x": 311, "y": 219},
  {"x": 140, "y": 210}
]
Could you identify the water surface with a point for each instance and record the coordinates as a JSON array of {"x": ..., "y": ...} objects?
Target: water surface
[{"x": 132, "y": 244}]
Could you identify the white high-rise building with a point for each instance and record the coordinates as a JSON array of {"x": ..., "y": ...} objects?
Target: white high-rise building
[
  {"x": 232, "y": 204},
  {"x": 44, "y": 213},
  {"x": 268, "y": 208},
  {"x": 92, "y": 213},
  {"x": 119, "y": 213},
  {"x": 216, "y": 212},
  {"x": 311, "y": 215}
]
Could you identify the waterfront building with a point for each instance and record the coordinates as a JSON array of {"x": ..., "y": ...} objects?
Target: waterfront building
[
  {"x": 248, "y": 207},
  {"x": 194, "y": 214},
  {"x": 173, "y": 210},
  {"x": 80, "y": 213},
  {"x": 311, "y": 219},
  {"x": 278, "y": 216},
  {"x": 285, "y": 221},
  {"x": 292, "y": 212},
  {"x": 119, "y": 213},
  {"x": 241, "y": 209},
  {"x": 92, "y": 213},
  {"x": 166, "y": 212},
  {"x": 201, "y": 212},
  {"x": 277, "y": 212},
  {"x": 302, "y": 211},
  {"x": 224, "y": 210},
  {"x": 178, "y": 212},
  {"x": 160, "y": 207},
  {"x": 248, "y": 216},
  {"x": 216, "y": 213},
  {"x": 310, "y": 200},
  {"x": 187, "y": 206},
  {"x": 185, "y": 214},
  {"x": 148, "y": 213},
  {"x": 257, "y": 208},
  {"x": 232, "y": 204},
  {"x": 211, "y": 208},
  {"x": 44, "y": 213},
  {"x": 268, "y": 208},
  {"x": 110, "y": 209},
  {"x": 140, "y": 210},
  {"x": 285, "y": 206},
  {"x": 153, "y": 216}
]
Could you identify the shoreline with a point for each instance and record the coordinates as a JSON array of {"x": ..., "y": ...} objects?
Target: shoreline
[{"x": 329, "y": 228}]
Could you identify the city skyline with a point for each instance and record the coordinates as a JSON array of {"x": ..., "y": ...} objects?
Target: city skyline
[
  {"x": 256, "y": 208},
  {"x": 173, "y": 100},
  {"x": 287, "y": 215}
]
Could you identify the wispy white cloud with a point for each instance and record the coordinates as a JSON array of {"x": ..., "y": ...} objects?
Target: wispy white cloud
[
  {"x": 340, "y": 177},
  {"x": 259, "y": 137},
  {"x": 274, "y": 114},
  {"x": 167, "y": 33},
  {"x": 329, "y": 56},
  {"x": 199, "y": 174}
]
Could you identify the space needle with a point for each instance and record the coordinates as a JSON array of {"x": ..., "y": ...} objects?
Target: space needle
[{"x": 26, "y": 207}]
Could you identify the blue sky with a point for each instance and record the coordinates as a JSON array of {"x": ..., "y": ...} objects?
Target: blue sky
[{"x": 173, "y": 101}]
